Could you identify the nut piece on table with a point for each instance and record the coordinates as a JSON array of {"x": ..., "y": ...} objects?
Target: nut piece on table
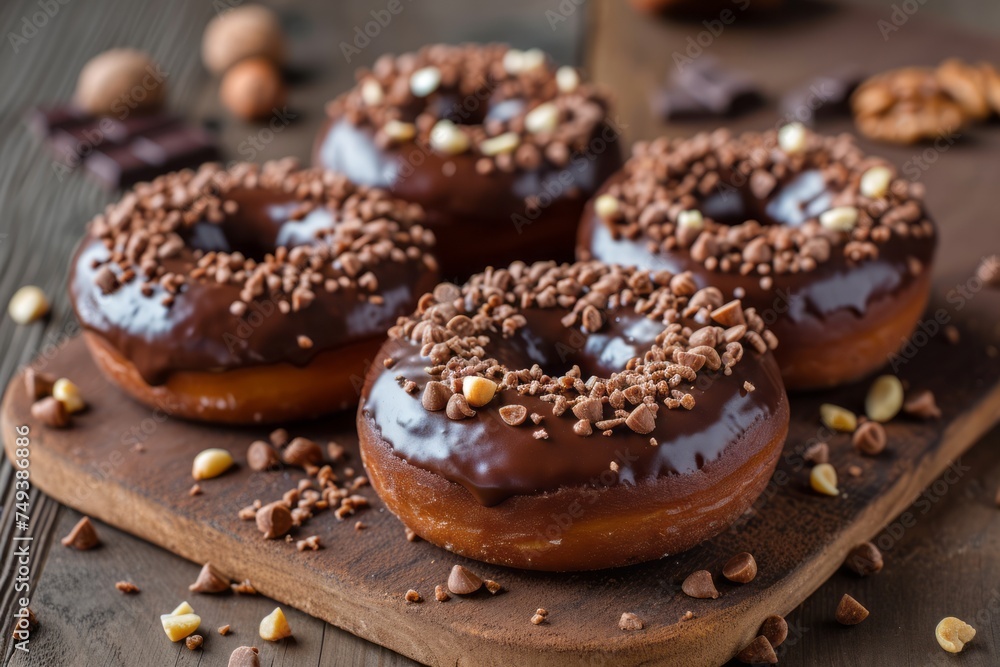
[
  {"x": 630, "y": 622},
  {"x": 274, "y": 626},
  {"x": 953, "y": 634},
  {"x": 838, "y": 418},
  {"x": 68, "y": 394},
  {"x": 194, "y": 642},
  {"x": 179, "y": 626},
  {"x": 244, "y": 32},
  {"x": 884, "y": 399},
  {"x": 28, "y": 304},
  {"x": 870, "y": 438},
  {"x": 850, "y": 611},
  {"x": 823, "y": 479},
  {"x": 120, "y": 78},
  {"x": 211, "y": 463}
]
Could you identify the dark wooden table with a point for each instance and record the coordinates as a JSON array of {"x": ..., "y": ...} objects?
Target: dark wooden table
[{"x": 941, "y": 557}]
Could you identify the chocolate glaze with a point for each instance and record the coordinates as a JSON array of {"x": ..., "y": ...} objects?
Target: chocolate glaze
[
  {"x": 495, "y": 461},
  {"x": 198, "y": 333},
  {"x": 479, "y": 220},
  {"x": 799, "y": 298}
]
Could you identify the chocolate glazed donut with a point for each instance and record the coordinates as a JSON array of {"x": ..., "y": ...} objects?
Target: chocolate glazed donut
[
  {"x": 832, "y": 248},
  {"x": 573, "y": 417},
  {"x": 254, "y": 294},
  {"x": 496, "y": 145}
]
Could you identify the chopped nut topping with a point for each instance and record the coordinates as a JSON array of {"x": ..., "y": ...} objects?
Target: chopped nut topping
[
  {"x": 953, "y": 634},
  {"x": 884, "y": 399},
  {"x": 630, "y": 622},
  {"x": 823, "y": 479},
  {"x": 413, "y": 596},
  {"x": 127, "y": 587},
  {"x": 28, "y": 304}
]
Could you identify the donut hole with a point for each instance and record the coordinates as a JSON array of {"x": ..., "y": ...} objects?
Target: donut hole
[
  {"x": 791, "y": 203},
  {"x": 261, "y": 224},
  {"x": 545, "y": 341}
]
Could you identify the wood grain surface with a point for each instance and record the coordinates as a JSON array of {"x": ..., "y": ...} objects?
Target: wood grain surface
[{"x": 943, "y": 562}]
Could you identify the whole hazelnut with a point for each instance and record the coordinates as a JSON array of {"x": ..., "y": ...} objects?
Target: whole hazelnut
[
  {"x": 252, "y": 88},
  {"x": 119, "y": 81},
  {"x": 249, "y": 31}
]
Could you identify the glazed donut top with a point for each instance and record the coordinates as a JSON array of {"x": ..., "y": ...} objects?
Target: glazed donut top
[
  {"x": 510, "y": 108},
  {"x": 768, "y": 204},
  {"x": 597, "y": 368},
  {"x": 224, "y": 268}
]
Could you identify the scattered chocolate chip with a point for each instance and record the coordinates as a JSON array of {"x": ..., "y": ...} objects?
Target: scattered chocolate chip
[
  {"x": 194, "y": 642},
  {"x": 741, "y": 568},
  {"x": 758, "y": 652},
  {"x": 412, "y": 596},
  {"x": 514, "y": 415},
  {"x": 82, "y": 537},
  {"x": 279, "y": 437},
  {"x": 864, "y": 559},
  {"x": 850, "y": 611},
  {"x": 817, "y": 453},
  {"x": 775, "y": 628},
  {"x": 458, "y": 408},
  {"x": 274, "y": 520},
  {"x": 301, "y": 452},
  {"x": 127, "y": 587},
  {"x": 922, "y": 405},
  {"x": 699, "y": 585},
  {"x": 262, "y": 456},
  {"x": 38, "y": 385},
  {"x": 989, "y": 270},
  {"x": 825, "y": 96},
  {"x": 209, "y": 581},
  {"x": 630, "y": 622},
  {"x": 244, "y": 656},
  {"x": 590, "y": 409},
  {"x": 642, "y": 420},
  {"x": 461, "y": 581},
  {"x": 869, "y": 438},
  {"x": 51, "y": 412}
]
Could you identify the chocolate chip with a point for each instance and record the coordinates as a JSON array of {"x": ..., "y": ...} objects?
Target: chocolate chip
[
  {"x": 279, "y": 437},
  {"x": 209, "y": 581},
  {"x": 630, "y": 622},
  {"x": 817, "y": 453},
  {"x": 589, "y": 409},
  {"x": 462, "y": 581},
  {"x": 436, "y": 396},
  {"x": 869, "y": 438},
  {"x": 699, "y": 585},
  {"x": 458, "y": 408},
  {"x": 922, "y": 406},
  {"x": 301, "y": 452},
  {"x": 741, "y": 568},
  {"x": 758, "y": 652},
  {"x": 244, "y": 656},
  {"x": 274, "y": 520},
  {"x": 82, "y": 537},
  {"x": 514, "y": 415},
  {"x": 850, "y": 611},
  {"x": 864, "y": 559},
  {"x": 261, "y": 456},
  {"x": 38, "y": 385},
  {"x": 642, "y": 420},
  {"x": 775, "y": 629},
  {"x": 51, "y": 412}
]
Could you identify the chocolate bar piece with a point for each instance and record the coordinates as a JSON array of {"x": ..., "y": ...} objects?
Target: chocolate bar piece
[
  {"x": 705, "y": 89},
  {"x": 826, "y": 96},
  {"x": 121, "y": 152},
  {"x": 146, "y": 157}
]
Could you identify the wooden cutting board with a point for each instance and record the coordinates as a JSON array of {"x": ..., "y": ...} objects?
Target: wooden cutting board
[{"x": 358, "y": 581}]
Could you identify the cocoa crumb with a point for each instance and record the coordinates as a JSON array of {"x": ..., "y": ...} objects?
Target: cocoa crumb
[
  {"x": 630, "y": 622},
  {"x": 127, "y": 587},
  {"x": 195, "y": 490},
  {"x": 224, "y": 630},
  {"x": 194, "y": 642},
  {"x": 244, "y": 588},
  {"x": 413, "y": 597}
]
